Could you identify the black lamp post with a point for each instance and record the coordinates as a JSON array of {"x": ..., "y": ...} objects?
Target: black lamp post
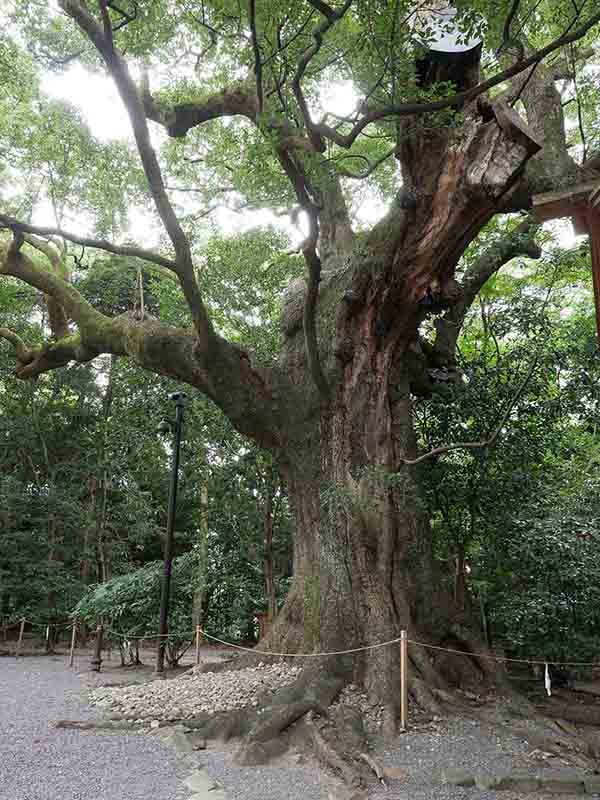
[{"x": 164, "y": 427}]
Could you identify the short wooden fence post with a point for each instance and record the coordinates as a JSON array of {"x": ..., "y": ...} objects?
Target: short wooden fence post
[
  {"x": 197, "y": 644},
  {"x": 96, "y": 662},
  {"x": 403, "y": 681},
  {"x": 73, "y": 638},
  {"x": 20, "y": 641}
]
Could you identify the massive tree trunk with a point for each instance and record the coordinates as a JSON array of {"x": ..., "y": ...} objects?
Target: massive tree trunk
[{"x": 364, "y": 567}]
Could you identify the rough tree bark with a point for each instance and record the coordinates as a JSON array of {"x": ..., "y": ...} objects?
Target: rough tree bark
[{"x": 336, "y": 409}]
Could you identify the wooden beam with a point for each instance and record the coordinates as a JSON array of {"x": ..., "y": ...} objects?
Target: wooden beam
[
  {"x": 580, "y": 220},
  {"x": 554, "y": 205}
]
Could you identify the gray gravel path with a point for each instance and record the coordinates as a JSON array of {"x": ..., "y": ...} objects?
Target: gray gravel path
[
  {"x": 38, "y": 762},
  {"x": 473, "y": 746},
  {"x": 281, "y": 780},
  {"x": 463, "y": 744}
]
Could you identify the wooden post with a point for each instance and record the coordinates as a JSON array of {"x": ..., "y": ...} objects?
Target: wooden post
[
  {"x": 197, "y": 644},
  {"x": 73, "y": 638},
  {"x": 21, "y": 629},
  {"x": 47, "y": 638},
  {"x": 403, "y": 681},
  {"x": 96, "y": 662}
]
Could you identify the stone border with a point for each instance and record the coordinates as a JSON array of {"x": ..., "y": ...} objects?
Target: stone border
[
  {"x": 571, "y": 783},
  {"x": 200, "y": 784}
]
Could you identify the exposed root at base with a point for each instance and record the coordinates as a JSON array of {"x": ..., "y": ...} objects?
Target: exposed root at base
[{"x": 299, "y": 716}]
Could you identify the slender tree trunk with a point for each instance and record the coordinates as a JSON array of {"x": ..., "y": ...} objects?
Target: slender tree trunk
[
  {"x": 101, "y": 506},
  {"x": 268, "y": 565},
  {"x": 199, "y": 603},
  {"x": 460, "y": 577}
]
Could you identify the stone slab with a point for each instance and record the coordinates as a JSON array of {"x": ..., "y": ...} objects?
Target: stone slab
[
  {"x": 592, "y": 785},
  {"x": 562, "y": 784},
  {"x": 457, "y": 777},
  {"x": 200, "y": 782},
  {"x": 519, "y": 782}
]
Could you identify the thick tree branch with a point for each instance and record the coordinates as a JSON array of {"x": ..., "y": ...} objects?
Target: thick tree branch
[
  {"x": 133, "y": 104},
  {"x": 22, "y": 352},
  {"x": 224, "y": 373},
  {"x": 50, "y": 283},
  {"x": 178, "y": 119},
  {"x": 59, "y": 322},
  {"x": 520, "y": 242},
  {"x": 537, "y": 90},
  {"x": 86, "y": 241}
]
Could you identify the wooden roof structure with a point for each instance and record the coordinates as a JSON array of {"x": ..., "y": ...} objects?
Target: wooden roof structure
[{"x": 582, "y": 204}]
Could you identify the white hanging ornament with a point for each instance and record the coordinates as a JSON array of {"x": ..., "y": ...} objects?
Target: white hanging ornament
[{"x": 443, "y": 36}]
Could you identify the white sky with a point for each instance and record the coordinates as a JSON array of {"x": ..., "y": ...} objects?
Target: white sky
[
  {"x": 98, "y": 101},
  {"x": 95, "y": 96}
]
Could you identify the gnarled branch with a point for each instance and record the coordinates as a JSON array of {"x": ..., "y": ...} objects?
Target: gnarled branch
[
  {"x": 231, "y": 102},
  {"x": 224, "y": 373},
  {"x": 131, "y": 251},
  {"x": 137, "y": 115},
  {"x": 519, "y": 242}
]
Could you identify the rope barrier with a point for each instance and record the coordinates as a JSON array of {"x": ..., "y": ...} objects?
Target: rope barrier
[
  {"x": 301, "y": 655},
  {"x": 501, "y": 659},
  {"x": 324, "y": 654},
  {"x": 12, "y": 625},
  {"x": 44, "y": 624},
  {"x": 131, "y": 637},
  {"x": 396, "y": 641}
]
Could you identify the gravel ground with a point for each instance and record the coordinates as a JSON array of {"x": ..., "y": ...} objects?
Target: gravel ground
[
  {"x": 40, "y": 763},
  {"x": 194, "y": 692},
  {"x": 423, "y": 753},
  {"x": 460, "y": 744},
  {"x": 281, "y": 780}
]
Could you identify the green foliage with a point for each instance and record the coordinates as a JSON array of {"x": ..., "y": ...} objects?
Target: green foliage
[
  {"x": 523, "y": 512},
  {"x": 129, "y": 604}
]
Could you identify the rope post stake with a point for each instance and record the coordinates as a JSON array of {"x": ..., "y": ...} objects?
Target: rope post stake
[
  {"x": 198, "y": 644},
  {"x": 47, "y": 645},
  {"x": 403, "y": 681},
  {"x": 19, "y": 642},
  {"x": 73, "y": 638},
  {"x": 96, "y": 662}
]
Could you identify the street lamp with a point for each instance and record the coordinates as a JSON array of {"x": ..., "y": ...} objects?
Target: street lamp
[{"x": 164, "y": 427}]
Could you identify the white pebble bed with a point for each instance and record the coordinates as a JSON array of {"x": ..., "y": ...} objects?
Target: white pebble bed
[{"x": 193, "y": 693}]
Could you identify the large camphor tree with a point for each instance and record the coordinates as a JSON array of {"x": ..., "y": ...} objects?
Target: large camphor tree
[{"x": 235, "y": 94}]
